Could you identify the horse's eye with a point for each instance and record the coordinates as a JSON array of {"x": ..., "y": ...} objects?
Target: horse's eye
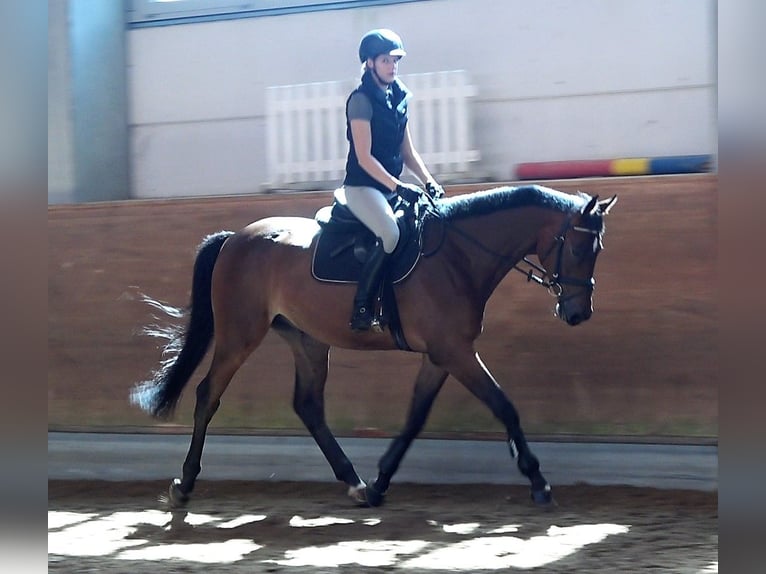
[
  {"x": 581, "y": 251},
  {"x": 578, "y": 252}
]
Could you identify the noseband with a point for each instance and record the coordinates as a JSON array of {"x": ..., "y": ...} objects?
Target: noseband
[{"x": 554, "y": 286}]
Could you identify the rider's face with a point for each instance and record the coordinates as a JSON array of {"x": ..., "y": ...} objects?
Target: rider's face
[{"x": 386, "y": 67}]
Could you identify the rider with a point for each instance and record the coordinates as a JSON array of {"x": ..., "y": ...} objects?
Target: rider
[{"x": 379, "y": 146}]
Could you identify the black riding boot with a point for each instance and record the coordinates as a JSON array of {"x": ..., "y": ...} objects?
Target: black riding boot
[{"x": 372, "y": 272}]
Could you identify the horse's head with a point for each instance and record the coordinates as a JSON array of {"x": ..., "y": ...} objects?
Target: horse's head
[{"x": 569, "y": 257}]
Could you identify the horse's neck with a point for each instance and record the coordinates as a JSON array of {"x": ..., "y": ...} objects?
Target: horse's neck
[{"x": 493, "y": 243}]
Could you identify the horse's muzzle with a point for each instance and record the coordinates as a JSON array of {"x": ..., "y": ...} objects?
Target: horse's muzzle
[
  {"x": 572, "y": 317},
  {"x": 575, "y": 319}
]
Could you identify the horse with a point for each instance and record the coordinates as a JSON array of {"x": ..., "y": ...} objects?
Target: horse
[{"x": 248, "y": 282}]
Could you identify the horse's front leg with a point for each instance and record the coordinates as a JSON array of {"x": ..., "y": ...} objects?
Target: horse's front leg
[
  {"x": 468, "y": 368},
  {"x": 427, "y": 385}
]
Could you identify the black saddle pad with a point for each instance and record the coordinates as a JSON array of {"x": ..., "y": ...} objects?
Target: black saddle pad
[{"x": 342, "y": 248}]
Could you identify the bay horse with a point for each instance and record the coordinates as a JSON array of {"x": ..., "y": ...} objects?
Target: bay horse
[{"x": 259, "y": 278}]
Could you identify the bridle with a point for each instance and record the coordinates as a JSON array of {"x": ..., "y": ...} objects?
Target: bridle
[{"x": 555, "y": 284}]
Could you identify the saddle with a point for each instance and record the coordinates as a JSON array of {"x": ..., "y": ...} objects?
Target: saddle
[{"x": 344, "y": 243}]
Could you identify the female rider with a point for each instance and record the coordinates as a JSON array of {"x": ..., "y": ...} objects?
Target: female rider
[{"x": 379, "y": 146}]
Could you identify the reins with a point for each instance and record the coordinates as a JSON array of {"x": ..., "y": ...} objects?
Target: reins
[{"x": 554, "y": 286}]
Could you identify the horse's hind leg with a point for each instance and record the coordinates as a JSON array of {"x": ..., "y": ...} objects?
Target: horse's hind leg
[
  {"x": 427, "y": 385},
  {"x": 468, "y": 368},
  {"x": 230, "y": 353},
  {"x": 209, "y": 393},
  {"x": 311, "y": 358}
]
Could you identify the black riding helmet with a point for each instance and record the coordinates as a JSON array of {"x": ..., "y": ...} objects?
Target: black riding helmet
[{"x": 380, "y": 41}]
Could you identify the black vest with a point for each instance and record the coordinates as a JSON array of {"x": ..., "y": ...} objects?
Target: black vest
[{"x": 387, "y": 125}]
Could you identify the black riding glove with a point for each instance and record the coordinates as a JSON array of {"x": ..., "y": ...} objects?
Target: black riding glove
[
  {"x": 409, "y": 192},
  {"x": 434, "y": 189}
]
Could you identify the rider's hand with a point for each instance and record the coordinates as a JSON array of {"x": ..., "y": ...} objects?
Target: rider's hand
[
  {"x": 434, "y": 189},
  {"x": 409, "y": 192}
]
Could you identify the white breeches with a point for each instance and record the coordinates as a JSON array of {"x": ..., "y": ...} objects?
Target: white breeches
[{"x": 371, "y": 208}]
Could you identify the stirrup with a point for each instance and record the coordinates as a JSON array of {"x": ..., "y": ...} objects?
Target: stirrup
[{"x": 362, "y": 319}]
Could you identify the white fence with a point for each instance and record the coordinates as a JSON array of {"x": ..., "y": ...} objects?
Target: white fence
[{"x": 306, "y": 128}]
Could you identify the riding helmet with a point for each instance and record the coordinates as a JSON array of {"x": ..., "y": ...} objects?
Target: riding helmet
[{"x": 380, "y": 41}]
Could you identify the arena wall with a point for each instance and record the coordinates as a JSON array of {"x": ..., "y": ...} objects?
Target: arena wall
[{"x": 644, "y": 366}]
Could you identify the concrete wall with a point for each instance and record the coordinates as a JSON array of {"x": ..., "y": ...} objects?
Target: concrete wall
[
  {"x": 574, "y": 79},
  {"x": 88, "y": 142},
  {"x": 644, "y": 365},
  {"x": 61, "y": 166},
  {"x": 585, "y": 79}
]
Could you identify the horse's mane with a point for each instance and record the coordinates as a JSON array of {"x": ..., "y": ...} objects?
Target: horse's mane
[{"x": 500, "y": 198}]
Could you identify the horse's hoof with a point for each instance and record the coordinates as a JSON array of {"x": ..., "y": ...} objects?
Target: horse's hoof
[
  {"x": 177, "y": 497},
  {"x": 373, "y": 496},
  {"x": 357, "y": 494},
  {"x": 543, "y": 497}
]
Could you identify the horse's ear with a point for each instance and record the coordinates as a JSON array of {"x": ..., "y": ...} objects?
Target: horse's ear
[
  {"x": 606, "y": 204},
  {"x": 591, "y": 205}
]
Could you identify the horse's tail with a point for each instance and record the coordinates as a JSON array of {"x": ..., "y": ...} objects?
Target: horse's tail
[{"x": 187, "y": 347}]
